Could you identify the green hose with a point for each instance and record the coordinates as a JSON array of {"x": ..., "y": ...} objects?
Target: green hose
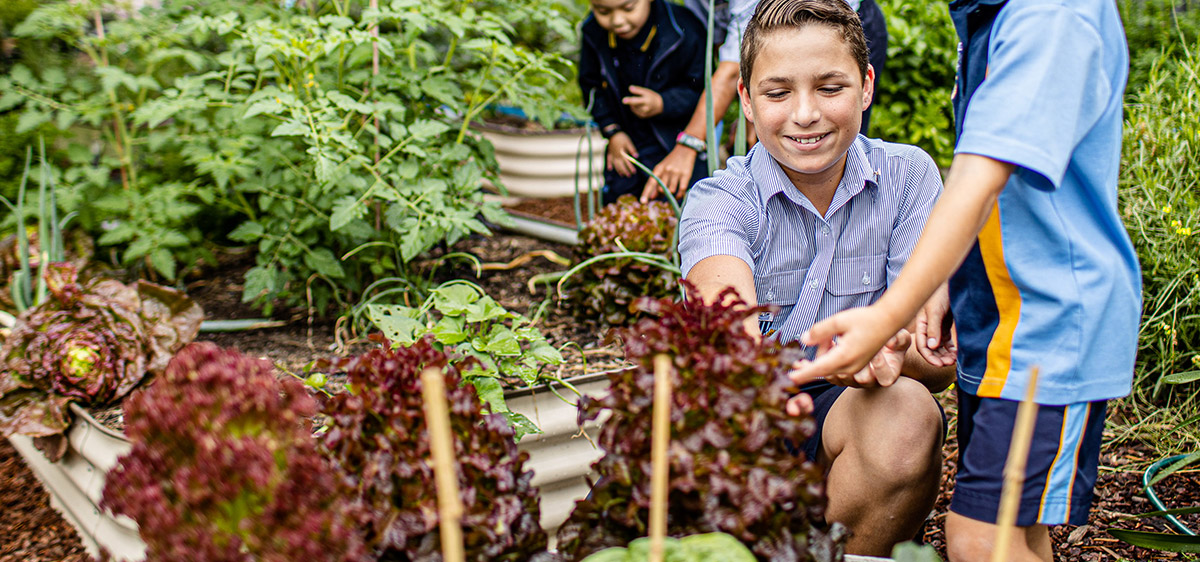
[{"x": 1154, "y": 501}]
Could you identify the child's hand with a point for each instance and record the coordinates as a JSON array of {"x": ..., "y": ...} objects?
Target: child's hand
[
  {"x": 881, "y": 371},
  {"x": 860, "y": 334},
  {"x": 645, "y": 103},
  {"x": 935, "y": 330},
  {"x": 618, "y": 146}
]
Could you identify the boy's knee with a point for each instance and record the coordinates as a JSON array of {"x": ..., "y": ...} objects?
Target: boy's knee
[{"x": 905, "y": 445}]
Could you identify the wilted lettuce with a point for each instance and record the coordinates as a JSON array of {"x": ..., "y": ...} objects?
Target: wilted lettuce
[{"x": 89, "y": 343}]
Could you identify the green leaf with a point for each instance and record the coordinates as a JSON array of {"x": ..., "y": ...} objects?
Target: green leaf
[
  {"x": 31, "y": 119},
  {"x": 269, "y": 106},
  {"x": 323, "y": 261},
  {"x": 1173, "y": 467},
  {"x": 259, "y": 280},
  {"x": 347, "y": 103},
  {"x": 545, "y": 353},
  {"x": 521, "y": 425},
  {"x": 425, "y": 129},
  {"x": 490, "y": 392},
  {"x": 500, "y": 341},
  {"x": 163, "y": 262},
  {"x": 398, "y": 323},
  {"x": 450, "y": 330},
  {"x": 912, "y": 552},
  {"x": 289, "y": 128},
  {"x": 1182, "y": 378},
  {"x": 247, "y": 232},
  {"x": 345, "y": 209},
  {"x": 1169, "y": 542},
  {"x": 454, "y": 299},
  {"x": 486, "y": 308}
]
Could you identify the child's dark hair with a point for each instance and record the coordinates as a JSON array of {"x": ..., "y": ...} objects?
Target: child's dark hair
[{"x": 773, "y": 15}]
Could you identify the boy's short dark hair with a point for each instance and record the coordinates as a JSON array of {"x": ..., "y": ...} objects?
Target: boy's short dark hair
[{"x": 773, "y": 15}]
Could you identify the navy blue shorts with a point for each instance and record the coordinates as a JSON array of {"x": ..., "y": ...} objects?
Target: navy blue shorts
[
  {"x": 824, "y": 395},
  {"x": 1059, "y": 474}
]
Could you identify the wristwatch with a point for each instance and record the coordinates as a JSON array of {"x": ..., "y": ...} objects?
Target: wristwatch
[
  {"x": 691, "y": 142},
  {"x": 609, "y": 130}
]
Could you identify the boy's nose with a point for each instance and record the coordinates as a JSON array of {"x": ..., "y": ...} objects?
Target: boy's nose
[{"x": 806, "y": 112}]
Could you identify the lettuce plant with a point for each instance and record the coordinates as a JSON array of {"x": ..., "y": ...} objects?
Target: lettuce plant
[
  {"x": 731, "y": 469},
  {"x": 224, "y": 466},
  {"x": 378, "y": 438},
  {"x": 625, "y": 254},
  {"x": 90, "y": 343}
]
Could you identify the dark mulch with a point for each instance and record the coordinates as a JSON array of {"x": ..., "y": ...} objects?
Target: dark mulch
[
  {"x": 31, "y": 531},
  {"x": 558, "y": 210}
]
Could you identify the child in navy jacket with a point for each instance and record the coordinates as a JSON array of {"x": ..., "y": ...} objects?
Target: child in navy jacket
[{"x": 642, "y": 67}]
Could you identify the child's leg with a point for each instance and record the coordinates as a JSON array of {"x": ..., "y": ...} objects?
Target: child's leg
[{"x": 1059, "y": 474}]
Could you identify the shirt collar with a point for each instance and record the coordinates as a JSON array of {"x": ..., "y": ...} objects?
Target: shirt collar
[{"x": 769, "y": 176}]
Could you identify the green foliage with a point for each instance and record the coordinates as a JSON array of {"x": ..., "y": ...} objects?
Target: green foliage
[
  {"x": 692, "y": 548},
  {"x": 510, "y": 352},
  {"x": 273, "y": 119},
  {"x": 1154, "y": 28},
  {"x": 914, "y": 93},
  {"x": 1161, "y": 210}
]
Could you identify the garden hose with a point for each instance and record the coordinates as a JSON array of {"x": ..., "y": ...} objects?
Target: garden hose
[{"x": 1154, "y": 501}]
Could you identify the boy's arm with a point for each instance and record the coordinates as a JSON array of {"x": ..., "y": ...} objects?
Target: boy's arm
[
  {"x": 713, "y": 274},
  {"x": 972, "y": 187},
  {"x": 676, "y": 168}
]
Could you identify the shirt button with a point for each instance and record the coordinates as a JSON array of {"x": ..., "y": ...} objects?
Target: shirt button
[
  {"x": 825, "y": 230},
  {"x": 813, "y": 283},
  {"x": 866, "y": 280}
]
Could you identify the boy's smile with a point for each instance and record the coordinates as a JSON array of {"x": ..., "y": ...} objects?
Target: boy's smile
[
  {"x": 624, "y": 18},
  {"x": 806, "y": 100}
]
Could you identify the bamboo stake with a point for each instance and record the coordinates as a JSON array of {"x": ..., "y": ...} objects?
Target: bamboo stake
[
  {"x": 660, "y": 467},
  {"x": 441, "y": 444},
  {"x": 1014, "y": 471}
]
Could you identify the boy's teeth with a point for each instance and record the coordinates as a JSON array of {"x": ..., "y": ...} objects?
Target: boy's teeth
[{"x": 809, "y": 141}]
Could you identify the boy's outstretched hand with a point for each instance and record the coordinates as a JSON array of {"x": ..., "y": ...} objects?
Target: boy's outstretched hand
[
  {"x": 935, "y": 338},
  {"x": 883, "y": 370},
  {"x": 643, "y": 102},
  {"x": 860, "y": 334},
  {"x": 614, "y": 159}
]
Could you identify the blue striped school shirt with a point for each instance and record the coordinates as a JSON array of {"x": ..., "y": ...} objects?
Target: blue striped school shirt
[{"x": 812, "y": 266}]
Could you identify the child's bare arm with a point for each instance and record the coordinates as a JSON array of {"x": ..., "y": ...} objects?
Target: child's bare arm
[
  {"x": 955, "y": 222},
  {"x": 713, "y": 274}
]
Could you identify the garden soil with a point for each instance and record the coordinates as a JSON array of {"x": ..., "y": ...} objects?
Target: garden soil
[{"x": 31, "y": 531}]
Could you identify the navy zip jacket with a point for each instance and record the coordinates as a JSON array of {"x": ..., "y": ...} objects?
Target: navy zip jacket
[{"x": 676, "y": 72}]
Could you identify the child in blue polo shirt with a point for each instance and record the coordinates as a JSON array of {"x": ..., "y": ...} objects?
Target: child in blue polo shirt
[
  {"x": 1042, "y": 274},
  {"x": 642, "y": 67}
]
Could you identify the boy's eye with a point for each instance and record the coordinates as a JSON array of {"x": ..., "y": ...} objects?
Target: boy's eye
[
  {"x": 830, "y": 89},
  {"x": 775, "y": 94}
]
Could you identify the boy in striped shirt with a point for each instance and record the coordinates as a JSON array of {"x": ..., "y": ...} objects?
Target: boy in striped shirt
[{"x": 816, "y": 219}]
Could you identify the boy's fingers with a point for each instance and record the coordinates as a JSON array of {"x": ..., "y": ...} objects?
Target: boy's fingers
[{"x": 799, "y": 405}]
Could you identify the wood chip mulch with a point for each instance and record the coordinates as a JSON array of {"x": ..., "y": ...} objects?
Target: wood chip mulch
[{"x": 30, "y": 530}]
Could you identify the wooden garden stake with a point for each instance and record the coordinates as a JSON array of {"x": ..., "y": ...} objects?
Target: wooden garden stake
[
  {"x": 1014, "y": 471},
  {"x": 441, "y": 444},
  {"x": 660, "y": 466}
]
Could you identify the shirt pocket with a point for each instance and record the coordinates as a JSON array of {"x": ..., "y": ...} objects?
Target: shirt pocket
[
  {"x": 781, "y": 288},
  {"x": 856, "y": 275}
]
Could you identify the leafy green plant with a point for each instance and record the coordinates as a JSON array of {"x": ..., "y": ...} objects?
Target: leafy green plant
[
  {"x": 1187, "y": 541},
  {"x": 914, "y": 92},
  {"x": 1155, "y": 29},
  {"x": 224, "y": 467},
  {"x": 90, "y": 343},
  {"x": 730, "y": 468},
  {"x": 509, "y": 352},
  {"x": 693, "y": 548},
  {"x": 1161, "y": 210},
  {"x": 379, "y": 441},
  {"x": 625, "y": 253},
  {"x": 277, "y": 120}
]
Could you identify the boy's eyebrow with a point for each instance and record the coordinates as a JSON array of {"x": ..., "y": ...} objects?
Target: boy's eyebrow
[
  {"x": 831, "y": 75},
  {"x": 772, "y": 80}
]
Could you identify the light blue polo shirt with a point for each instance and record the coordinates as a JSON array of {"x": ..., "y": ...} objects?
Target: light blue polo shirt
[
  {"x": 1053, "y": 281},
  {"x": 808, "y": 265}
]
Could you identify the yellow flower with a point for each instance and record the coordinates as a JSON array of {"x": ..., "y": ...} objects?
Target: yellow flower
[
  {"x": 1196, "y": 359},
  {"x": 1175, "y": 223},
  {"x": 1184, "y": 231},
  {"x": 1167, "y": 209}
]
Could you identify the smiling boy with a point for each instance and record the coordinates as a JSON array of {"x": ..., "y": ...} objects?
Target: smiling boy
[
  {"x": 640, "y": 65},
  {"x": 816, "y": 219}
]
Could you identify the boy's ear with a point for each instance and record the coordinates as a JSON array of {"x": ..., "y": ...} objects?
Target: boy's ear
[
  {"x": 868, "y": 87},
  {"x": 744, "y": 96}
]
